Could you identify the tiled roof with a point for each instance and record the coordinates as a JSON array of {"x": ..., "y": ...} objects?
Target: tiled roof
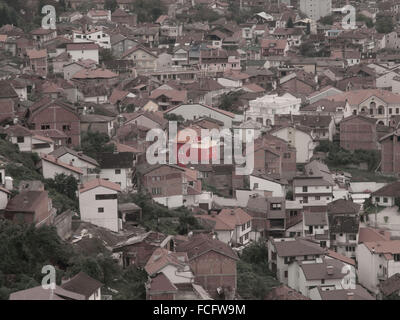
[
  {"x": 94, "y": 74},
  {"x": 390, "y": 285},
  {"x": 82, "y": 284},
  {"x": 390, "y": 190},
  {"x": 355, "y": 97},
  {"x": 55, "y": 161},
  {"x": 371, "y": 234},
  {"x": 386, "y": 247},
  {"x": 39, "y": 293},
  {"x": 36, "y": 54},
  {"x": 297, "y": 247},
  {"x": 64, "y": 150},
  {"x": 82, "y": 46},
  {"x": 344, "y": 294},
  {"x": 99, "y": 183},
  {"x": 162, "y": 257},
  {"x": 26, "y": 201},
  {"x": 18, "y": 131},
  {"x": 318, "y": 270},
  {"x": 342, "y": 206},
  {"x": 161, "y": 284}
]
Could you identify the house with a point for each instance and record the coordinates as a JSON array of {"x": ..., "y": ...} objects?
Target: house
[
  {"x": 99, "y": 15},
  {"x": 344, "y": 226},
  {"x": 84, "y": 285},
  {"x": 324, "y": 273},
  {"x": 197, "y": 111},
  {"x": 117, "y": 167},
  {"x": 149, "y": 120},
  {"x": 50, "y": 166},
  {"x": 377, "y": 261},
  {"x": 312, "y": 190},
  {"x": 263, "y": 109},
  {"x": 122, "y": 17},
  {"x": 83, "y": 51},
  {"x": 376, "y": 103},
  {"x": 325, "y": 107},
  {"x": 27, "y": 141},
  {"x": 40, "y": 293},
  {"x": 301, "y": 82},
  {"x": 386, "y": 196},
  {"x": 316, "y": 226},
  {"x": 390, "y": 152},
  {"x": 38, "y": 61},
  {"x": 55, "y": 114},
  {"x": 390, "y": 287},
  {"x": 166, "y": 183},
  {"x": 272, "y": 47},
  {"x": 121, "y": 44},
  {"x": 232, "y": 226},
  {"x": 97, "y": 123},
  {"x": 31, "y": 207},
  {"x": 218, "y": 278},
  {"x": 358, "y": 132},
  {"x": 98, "y": 203},
  {"x": 264, "y": 182},
  {"x": 79, "y": 160},
  {"x": 284, "y": 293},
  {"x": 42, "y": 35},
  {"x": 143, "y": 58},
  {"x": 282, "y": 252},
  {"x": 92, "y": 35},
  {"x": 298, "y": 137},
  {"x": 73, "y": 67}
]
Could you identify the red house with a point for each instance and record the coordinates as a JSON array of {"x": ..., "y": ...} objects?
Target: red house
[{"x": 54, "y": 114}]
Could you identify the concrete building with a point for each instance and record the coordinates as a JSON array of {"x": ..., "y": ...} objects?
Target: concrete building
[{"x": 316, "y": 9}]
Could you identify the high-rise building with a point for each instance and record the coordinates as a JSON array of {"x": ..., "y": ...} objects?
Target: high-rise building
[{"x": 316, "y": 9}]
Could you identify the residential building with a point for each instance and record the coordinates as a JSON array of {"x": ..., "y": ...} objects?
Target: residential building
[
  {"x": 83, "y": 51},
  {"x": 386, "y": 195},
  {"x": 38, "y": 61},
  {"x": 316, "y": 9},
  {"x": 117, "y": 167},
  {"x": 98, "y": 203},
  {"x": 50, "y": 166},
  {"x": 390, "y": 152},
  {"x": 358, "y": 132},
  {"x": 85, "y": 285},
  {"x": 312, "y": 190}
]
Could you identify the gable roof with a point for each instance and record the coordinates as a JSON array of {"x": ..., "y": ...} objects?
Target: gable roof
[
  {"x": 59, "y": 152},
  {"x": 359, "y": 293},
  {"x": 297, "y": 247},
  {"x": 390, "y": 285},
  {"x": 18, "y": 131},
  {"x": 343, "y": 206},
  {"x": 54, "y": 160},
  {"x": 201, "y": 244},
  {"x": 82, "y": 284},
  {"x": 161, "y": 283},
  {"x": 355, "y": 97},
  {"x": 390, "y": 190},
  {"x": 39, "y": 293},
  {"x": 110, "y": 160},
  {"x": 162, "y": 257},
  {"x": 26, "y": 201},
  {"x": 91, "y": 184},
  {"x": 138, "y": 47},
  {"x": 226, "y": 113}
]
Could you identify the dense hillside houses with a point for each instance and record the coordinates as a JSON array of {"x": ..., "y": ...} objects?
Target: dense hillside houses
[{"x": 200, "y": 150}]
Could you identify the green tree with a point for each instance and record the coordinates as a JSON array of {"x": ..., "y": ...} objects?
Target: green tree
[
  {"x": 66, "y": 185},
  {"x": 384, "y": 24},
  {"x": 148, "y": 10},
  {"x": 95, "y": 142},
  {"x": 106, "y": 55}
]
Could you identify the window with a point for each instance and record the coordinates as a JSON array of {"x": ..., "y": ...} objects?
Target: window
[
  {"x": 248, "y": 224},
  {"x": 243, "y": 227},
  {"x": 385, "y": 200},
  {"x": 352, "y": 237},
  {"x": 317, "y": 198},
  {"x": 20, "y": 139},
  {"x": 322, "y": 281},
  {"x": 305, "y": 189},
  {"x": 100, "y": 210},
  {"x": 106, "y": 196},
  {"x": 45, "y": 127},
  {"x": 246, "y": 236},
  {"x": 256, "y": 186},
  {"x": 286, "y": 274},
  {"x": 117, "y": 171},
  {"x": 156, "y": 191},
  {"x": 66, "y": 127},
  {"x": 377, "y": 199},
  {"x": 276, "y": 206},
  {"x": 396, "y": 257}
]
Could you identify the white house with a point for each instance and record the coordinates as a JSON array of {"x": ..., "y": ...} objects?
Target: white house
[
  {"x": 266, "y": 183},
  {"x": 92, "y": 35},
  {"x": 76, "y": 158},
  {"x": 51, "y": 166},
  {"x": 29, "y": 142},
  {"x": 309, "y": 190},
  {"x": 284, "y": 251},
  {"x": 232, "y": 226},
  {"x": 298, "y": 137},
  {"x": 386, "y": 195},
  {"x": 377, "y": 260},
  {"x": 4, "y": 197},
  {"x": 98, "y": 203},
  {"x": 99, "y": 15},
  {"x": 326, "y": 273},
  {"x": 117, "y": 167},
  {"x": 316, "y": 227},
  {"x": 263, "y": 109},
  {"x": 83, "y": 51}
]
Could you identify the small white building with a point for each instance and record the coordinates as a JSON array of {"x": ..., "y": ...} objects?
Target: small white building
[
  {"x": 29, "y": 142},
  {"x": 92, "y": 35},
  {"x": 266, "y": 183},
  {"x": 51, "y": 166},
  {"x": 386, "y": 195},
  {"x": 98, "y": 203},
  {"x": 83, "y": 51},
  {"x": 263, "y": 109}
]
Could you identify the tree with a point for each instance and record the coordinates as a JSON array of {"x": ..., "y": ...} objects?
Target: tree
[
  {"x": 148, "y": 10},
  {"x": 66, "y": 185},
  {"x": 110, "y": 5},
  {"x": 289, "y": 23},
  {"x": 95, "y": 142},
  {"x": 384, "y": 24},
  {"x": 106, "y": 55},
  {"x": 397, "y": 203}
]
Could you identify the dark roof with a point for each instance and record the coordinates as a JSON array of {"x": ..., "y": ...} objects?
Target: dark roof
[
  {"x": 341, "y": 294},
  {"x": 390, "y": 190},
  {"x": 26, "y": 201},
  {"x": 161, "y": 284},
  {"x": 201, "y": 244},
  {"x": 391, "y": 285},
  {"x": 82, "y": 284},
  {"x": 18, "y": 131},
  {"x": 297, "y": 247},
  {"x": 111, "y": 160},
  {"x": 63, "y": 150},
  {"x": 318, "y": 270},
  {"x": 315, "y": 219},
  {"x": 343, "y": 224},
  {"x": 342, "y": 206},
  {"x": 6, "y": 90}
]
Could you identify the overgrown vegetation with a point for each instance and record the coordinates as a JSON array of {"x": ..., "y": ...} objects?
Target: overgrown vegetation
[
  {"x": 159, "y": 218},
  {"x": 229, "y": 102},
  {"x": 148, "y": 10},
  {"x": 25, "y": 250},
  {"x": 384, "y": 24},
  {"x": 254, "y": 280},
  {"x": 95, "y": 142}
]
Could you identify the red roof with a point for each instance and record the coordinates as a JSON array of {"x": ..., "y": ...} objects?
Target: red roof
[
  {"x": 99, "y": 183},
  {"x": 57, "y": 162}
]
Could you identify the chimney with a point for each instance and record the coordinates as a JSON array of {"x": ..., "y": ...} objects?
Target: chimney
[
  {"x": 350, "y": 295},
  {"x": 329, "y": 270}
]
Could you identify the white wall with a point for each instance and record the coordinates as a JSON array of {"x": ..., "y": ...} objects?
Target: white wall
[
  {"x": 50, "y": 170},
  {"x": 170, "y": 202},
  {"x": 121, "y": 179},
  {"x": 88, "y": 206},
  {"x": 25, "y": 146},
  {"x": 3, "y": 200},
  {"x": 277, "y": 189},
  {"x": 84, "y": 54},
  {"x": 77, "y": 162}
]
